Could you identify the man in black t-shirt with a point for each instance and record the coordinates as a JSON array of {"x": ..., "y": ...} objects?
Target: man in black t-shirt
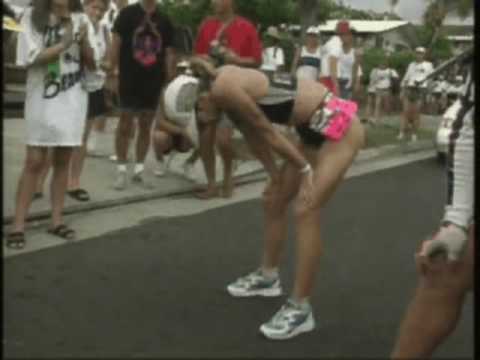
[{"x": 142, "y": 49}]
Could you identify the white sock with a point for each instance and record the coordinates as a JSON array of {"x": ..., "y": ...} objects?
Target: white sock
[
  {"x": 122, "y": 168},
  {"x": 271, "y": 273},
  {"x": 139, "y": 167},
  {"x": 304, "y": 303}
]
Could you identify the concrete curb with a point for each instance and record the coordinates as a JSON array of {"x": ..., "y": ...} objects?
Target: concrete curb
[{"x": 244, "y": 179}]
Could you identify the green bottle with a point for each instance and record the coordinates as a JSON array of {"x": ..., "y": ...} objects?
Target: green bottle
[{"x": 53, "y": 69}]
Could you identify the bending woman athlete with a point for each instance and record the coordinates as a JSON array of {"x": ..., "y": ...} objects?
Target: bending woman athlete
[{"x": 329, "y": 137}]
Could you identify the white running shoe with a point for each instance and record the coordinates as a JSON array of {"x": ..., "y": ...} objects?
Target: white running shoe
[
  {"x": 188, "y": 169},
  {"x": 255, "y": 284},
  {"x": 161, "y": 169},
  {"x": 291, "y": 320},
  {"x": 414, "y": 138},
  {"x": 401, "y": 136},
  {"x": 121, "y": 181},
  {"x": 113, "y": 158}
]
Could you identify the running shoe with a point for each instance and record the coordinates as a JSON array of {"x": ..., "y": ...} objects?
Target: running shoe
[
  {"x": 161, "y": 169},
  {"x": 255, "y": 284},
  {"x": 139, "y": 179},
  {"x": 121, "y": 181},
  {"x": 291, "y": 320},
  {"x": 188, "y": 169}
]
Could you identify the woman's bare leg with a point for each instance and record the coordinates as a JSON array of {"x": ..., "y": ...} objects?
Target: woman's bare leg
[
  {"x": 78, "y": 158},
  {"x": 34, "y": 163},
  {"x": 331, "y": 164},
  {"x": 275, "y": 205},
  {"x": 44, "y": 172},
  {"x": 61, "y": 166}
]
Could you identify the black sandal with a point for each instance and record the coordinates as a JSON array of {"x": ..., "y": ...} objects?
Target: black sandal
[
  {"x": 79, "y": 194},
  {"x": 62, "y": 231},
  {"x": 16, "y": 240}
]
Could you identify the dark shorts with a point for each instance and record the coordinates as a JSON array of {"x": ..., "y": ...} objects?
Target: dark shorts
[
  {"x": 97, "y": 105},
  {"x": 415, "y": 94},
  {"x": 309, "y": 137},
  {"x": 138, "y": 97}
]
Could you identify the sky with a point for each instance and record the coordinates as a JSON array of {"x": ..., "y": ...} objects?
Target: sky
[{"x": 411, "y": 10}]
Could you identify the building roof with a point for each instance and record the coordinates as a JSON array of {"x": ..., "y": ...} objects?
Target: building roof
[
  {"x": 365, "y": 26},
  {"x": 460, "y": 38}
]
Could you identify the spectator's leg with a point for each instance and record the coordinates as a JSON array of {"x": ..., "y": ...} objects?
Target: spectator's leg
[
  {"x": 35, "y": 161},
  {"x": 78, "y": 158},
  {"x": 162, "y": 143},
  {"x": 207, "y": 128},
  {"x": 58, "y": 186},
  {"x": 225, "y": 148},
  {"x": 144, "y": 124},
  {"x": 44, "y": 172},
  {"x": 123, "y": 134},
  {"x": 378, "y": 106}
]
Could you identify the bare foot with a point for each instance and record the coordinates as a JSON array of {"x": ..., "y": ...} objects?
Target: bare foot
[
  {"x": 227, "y": 191},
  {"x": 207, "y": 194}
]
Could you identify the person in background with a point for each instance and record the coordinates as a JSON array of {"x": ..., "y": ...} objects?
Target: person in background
[
  {"x": 141, "y": 48},
  {"x": 412, "y": 94},
  {"x": 383, "y": 87},
  {"x": 439, "y": 93},
  {"x": 273, "y": 56},
  {"x": 94, "y": 83},
  {"x": 348, "y": 64},
  {"x": 52, "y": 47},
  {"x": 331, "y": 51},
  {"x": 371, "y": 96},
  {"x": 307, "y": 61},
  {"x": 175, "y": 128},
  {"x": 229, "y": 39}
]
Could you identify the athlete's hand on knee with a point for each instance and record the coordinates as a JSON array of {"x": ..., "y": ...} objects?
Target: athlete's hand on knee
[
  {"x": 450, "y": 241},
  {"x": 306, "y": 188}
]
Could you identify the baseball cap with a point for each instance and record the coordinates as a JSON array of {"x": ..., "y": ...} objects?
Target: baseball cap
[
  {"x": 420, "y": 49},
  {"x": 180, "y": 98},
  {"x": 343, "y": 27}
]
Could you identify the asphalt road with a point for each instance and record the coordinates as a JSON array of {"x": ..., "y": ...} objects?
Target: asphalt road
[{"x": 157, "y": 290}]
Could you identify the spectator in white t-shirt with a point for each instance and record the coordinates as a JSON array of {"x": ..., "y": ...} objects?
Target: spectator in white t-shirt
[
  {"x": 273, "y": 56},
  {"x": 52, "y": 47},
  {"x": 330, "y": 54},
  {"x": 348, "y": 64},
  {"x": 307, "y": 60},
  {"x": 413, "y": 93},
  {"x": 384, "y": 77},
  {"x": 439, "y": 91}
]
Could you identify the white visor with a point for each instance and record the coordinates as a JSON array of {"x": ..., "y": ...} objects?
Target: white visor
[{"x": 180, "y": 98}]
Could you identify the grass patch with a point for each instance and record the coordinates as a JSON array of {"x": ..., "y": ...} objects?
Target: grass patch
[{"x": 382, "y": 135}]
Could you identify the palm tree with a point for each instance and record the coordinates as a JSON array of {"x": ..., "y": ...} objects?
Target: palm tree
[{"x": 438, "y": 10}]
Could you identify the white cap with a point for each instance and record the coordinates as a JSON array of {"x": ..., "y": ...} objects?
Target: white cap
[
  {"x": 312, "y": 30},
  {"x": 420, "y": 49},
  {"x": 180, "y": 98},
  {"x": 459, "y": 78}
]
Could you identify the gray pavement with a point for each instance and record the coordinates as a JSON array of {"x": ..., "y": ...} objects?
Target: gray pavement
[
  {"x": 156, "y": 289},
  {"x": 99, "y": 173}
]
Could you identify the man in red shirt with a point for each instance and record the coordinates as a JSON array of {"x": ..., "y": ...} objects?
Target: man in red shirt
[{"x": 239, "y": 36}]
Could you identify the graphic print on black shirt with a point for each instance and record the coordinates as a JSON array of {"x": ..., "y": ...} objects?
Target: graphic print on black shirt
[
  {"x": 147, "y": 43},
  {"x": 54, "y": 82}
]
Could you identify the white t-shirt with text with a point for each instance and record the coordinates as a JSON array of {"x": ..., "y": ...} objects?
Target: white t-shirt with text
[{"x": 55, "y": 102}]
